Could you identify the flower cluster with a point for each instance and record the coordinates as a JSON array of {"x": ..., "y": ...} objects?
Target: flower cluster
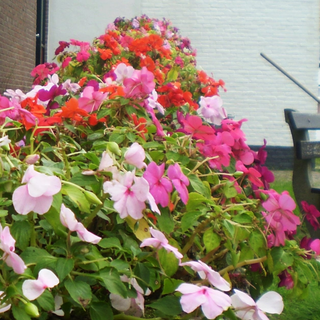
[{"x": 122, "y": 176}]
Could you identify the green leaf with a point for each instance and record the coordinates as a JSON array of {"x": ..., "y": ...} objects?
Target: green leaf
[
  {"x": 111, "y": 242},
  {"x": 37, "y": 255},
  {"x": 243, "y": 218},
  {"x": 77, "y": 197},
  {"x": 170, "y": 285},
  {"x": 83, "y": 180},
  {"x": 195, "y": 200},
  {"x": 172, "y": 75},
  {"x": 111, "y": 280},
  {"x": 64, "y": 267},
  {"x": 169, "y": 305},
  {"x": 229, "y": 190},
  {"x": 211, "y": 240},
  {"x": 168, "y": 261},
  {"x": 21, "y": 232},
  {"x": 257, "y": 241},
  {"x": 281, "y": 259},
  {"x": 189, "y": 219},
  {"x": 165, "y": 220},
  {"x": 19, "y": 312},
  {"x": 143, "y": 275},
  {"x": 229, "y": 228},
  {"x": 95, "y": 136},
  {"x": 79, "y": 291},
  {"x": 46, "y": 301},
  {"x": 100, "y": 311},
  {"x": 198, "y": 186},
  {"x": 117, "y": 137}
]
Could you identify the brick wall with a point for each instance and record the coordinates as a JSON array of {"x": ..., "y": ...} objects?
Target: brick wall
[{"x": 17, "y": 43}]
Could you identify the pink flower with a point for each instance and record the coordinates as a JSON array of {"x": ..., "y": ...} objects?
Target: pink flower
[
  {"x": 180, "y": 181},
  {"x": 69, "y": 220},
  {"x": 160, "y": 241},
  {"x": 211, "y": 109},
  {"x": 246, "y": 308},
  {"x": 212, "y": 302},
  {"x": 122, "y": 71},
  {"x": 253, "y": 175},
  {"x": 206, "y": 271},
  {"x": 7, "y": 245},
  {"x": 315, "y": 246},
  {"x": 32, "y": 289},
  {"x": 129, "y": 194},
  {"x": 160, "y": 187},
  {"x": 312, "y": 214},
  {"x": 140, "y": 84},
  {"x": 37, "y": 194},
  {"x": 135, "y": 155},
  {"x": 280, "y": 208},
  {"x": 91, "y": 99}
]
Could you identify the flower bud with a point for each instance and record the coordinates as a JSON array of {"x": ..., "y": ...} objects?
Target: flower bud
[
  {"x": 114, "y": 148},
  {"x": 238, "y": 174},
  {"x": 32, "y": 158},
  {"x": 91, "y": 197},
  {"x": 32, "y": 310}
]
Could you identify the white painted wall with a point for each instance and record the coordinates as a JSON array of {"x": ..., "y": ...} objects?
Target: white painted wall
[{"x": 229, "y": 36}]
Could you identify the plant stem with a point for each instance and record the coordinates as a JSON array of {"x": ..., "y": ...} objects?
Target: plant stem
[{"x": 243, "y": 263}]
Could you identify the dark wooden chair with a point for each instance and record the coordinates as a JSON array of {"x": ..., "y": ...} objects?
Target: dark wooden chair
[{"x": 305, "y": 153}]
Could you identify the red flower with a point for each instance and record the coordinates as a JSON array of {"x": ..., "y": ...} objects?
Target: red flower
[
  {"x": 312, "y": 214},
  {"x": 72, "y": 111}
]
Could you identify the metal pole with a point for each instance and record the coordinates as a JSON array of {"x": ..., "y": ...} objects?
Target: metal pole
[{"x": 292, "y": 79}]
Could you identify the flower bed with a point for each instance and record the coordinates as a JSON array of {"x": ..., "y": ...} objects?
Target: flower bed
[{"x": 124, "y": 184}]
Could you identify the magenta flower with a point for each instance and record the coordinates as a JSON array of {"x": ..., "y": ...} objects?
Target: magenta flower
[
  {"x": 211, "y": 109},
  {"x": 212, "y": 302},
  {"x": 32, "y": 289},
  {"x": 252, "y": 174},
  {"x": 91, "y": 99},
  {"x": 7, "y": 245},
  {"x": 135, "y": 156},
  {"x": 140, "y": 84},
  {"x": 69, "y": 220},
  {"x": 286, "y": 280},
  {"x": 160, "y": 241},
  {"x": 312, "y": 214},
  {"x": 160, "y": 187},
  {"x": 206, "y": 272},
  {"x": 37, "y": 193},
  {"x": 179, "y": 181},
  {"x": 129, "y": 194},
  {"x": 246, "y": 308}
]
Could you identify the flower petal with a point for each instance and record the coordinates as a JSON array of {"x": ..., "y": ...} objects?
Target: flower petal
[{"x": 271, "y": 302}]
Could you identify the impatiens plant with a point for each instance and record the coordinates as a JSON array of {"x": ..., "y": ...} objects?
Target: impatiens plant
[{"x": 128, "y": 193}]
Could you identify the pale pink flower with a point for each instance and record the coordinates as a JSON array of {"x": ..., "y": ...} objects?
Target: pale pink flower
[
  {"x": 212, "y": 302},
  {"x": 135, "y": 155},
  {"x": 122, "y": 71},
  {"x": 69, "y": 220},
  {"x": 7, "y": 245},
  {"x": 247, "y": 309},
  {"x": 160, "y": 187},
  {"x": 211, "y": 109},
  {"x": 206, "y": 272},
  {"x": 32, "y": 289},
  {"x": 180, "y": 181},
  {"x": 37, "y": 193},
  {"x": 91, "y": 99},
  {"x": 4, "y": 141},
  {"x": 133, "y": 306},
  {"x": 160, "y": 241},
  {"x": 152, "y": 102},
  {"x": 129, "y": 194}
]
